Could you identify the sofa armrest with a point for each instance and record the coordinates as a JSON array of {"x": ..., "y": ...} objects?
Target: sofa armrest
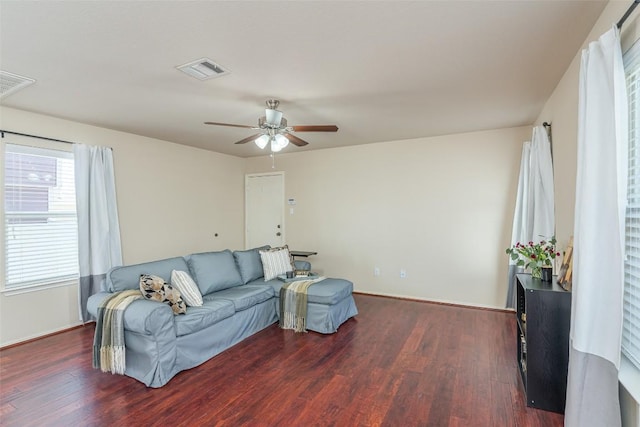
[
  {"x": 149, "y": 318},
  {"x": 302, "y": 265},
  {"x": 141, "y": 316},
  {"x": 94, "y": 301}
]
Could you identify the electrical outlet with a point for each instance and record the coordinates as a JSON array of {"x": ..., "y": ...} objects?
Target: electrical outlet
[
  {"x": 376, "y": 271},
  {"x": 403, "y": 273}
]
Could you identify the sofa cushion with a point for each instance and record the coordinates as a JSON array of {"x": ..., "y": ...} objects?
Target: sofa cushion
[
  {"x": 249, "y": 264},
  {"x": 243, "y": 297},
  {"x": 198, "y": 318},
  {"x": 128, "y": 276},
  {"x": 187, "y": 287},
  {"x": 214, "y": 271},
  {"x": 327, "y": 291},
  {"x": 276, "y": 261},
  {"x": 155, "y": 288}
]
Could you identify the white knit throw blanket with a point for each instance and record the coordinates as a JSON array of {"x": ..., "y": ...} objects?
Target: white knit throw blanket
[
  {"x": 108, "y": 341},
  {"x": 293, "y": 304}
]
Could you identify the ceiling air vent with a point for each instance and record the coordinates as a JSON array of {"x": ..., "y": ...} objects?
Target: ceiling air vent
[
  {"x": 203, "y": 69},
  {"x": 10, "y": 83}
]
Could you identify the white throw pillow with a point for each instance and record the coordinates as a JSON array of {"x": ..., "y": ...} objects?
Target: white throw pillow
[
  {"x": 275, "y": 261},
  {"x": 187, "y": 287}
]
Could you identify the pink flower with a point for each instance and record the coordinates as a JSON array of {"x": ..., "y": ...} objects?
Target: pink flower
[{"x": 533, "y": 256}]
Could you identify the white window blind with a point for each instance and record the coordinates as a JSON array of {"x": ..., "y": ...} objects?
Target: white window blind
[
  {"x": 41, "y": 233},
  {"x": 631, "y": 322}
]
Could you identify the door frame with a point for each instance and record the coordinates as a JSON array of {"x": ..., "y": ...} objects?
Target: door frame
[{"x": 247, "y": 177}]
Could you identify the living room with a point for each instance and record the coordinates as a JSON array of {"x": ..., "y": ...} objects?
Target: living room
[{"x": 438, "y": 207}]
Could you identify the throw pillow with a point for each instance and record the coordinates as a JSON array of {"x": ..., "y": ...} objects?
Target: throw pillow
[
  {"x": 187, "y": 288},
  {"x": 276, "y": 261},
  {"x": 156, "y": 289}
]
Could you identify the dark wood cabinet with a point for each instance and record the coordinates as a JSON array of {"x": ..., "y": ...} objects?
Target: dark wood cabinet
[{"x": 543, "y": 311}]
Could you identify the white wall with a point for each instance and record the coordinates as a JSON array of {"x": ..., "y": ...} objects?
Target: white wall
[
  {"x": 172, "y": 199},
  {"x": 441, "y": 208},
  {"x": 562, "y": 110}
]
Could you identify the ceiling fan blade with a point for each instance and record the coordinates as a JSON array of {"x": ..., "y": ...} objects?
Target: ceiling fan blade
[
  {"x": 315, "y": 128},
  {"x": 295, "y": 140},
  {"x": 230, "y": 124},
  {"x": 249, "y": 138}
]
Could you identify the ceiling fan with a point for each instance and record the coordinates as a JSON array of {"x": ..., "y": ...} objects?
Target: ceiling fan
[{"x": 274, "y": 130}]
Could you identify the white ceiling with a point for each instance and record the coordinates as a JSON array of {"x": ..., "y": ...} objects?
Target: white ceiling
[{"x": 379, "y": 70}]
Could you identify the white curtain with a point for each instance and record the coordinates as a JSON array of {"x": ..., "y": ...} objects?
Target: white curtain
[
  {"x": 519, "y": 232},
  {"x": 98, "y": 228},
  {"x": 599, "y": 237},
  {"x": 541, "y": 222},
  {"x": 533, "y": 219},
  {"x": 520, "y": 217}
]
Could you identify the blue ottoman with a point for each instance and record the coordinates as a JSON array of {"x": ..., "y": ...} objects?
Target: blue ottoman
[{"x": 329, "y": 304}]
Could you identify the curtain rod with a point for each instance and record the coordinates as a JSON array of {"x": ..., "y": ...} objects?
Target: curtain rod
[
  {"x": 627, "y": 13},
  {"x": 2, "y": 131},
  {"x": 547, "y": 127}
]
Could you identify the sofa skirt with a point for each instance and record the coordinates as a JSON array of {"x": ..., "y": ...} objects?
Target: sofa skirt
[
  {"x": 154, "y": 364},
  {"x": 326, "y": 319}
]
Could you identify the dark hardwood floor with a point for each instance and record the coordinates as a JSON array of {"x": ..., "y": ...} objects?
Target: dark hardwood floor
[{"x": 398, "y": 363}]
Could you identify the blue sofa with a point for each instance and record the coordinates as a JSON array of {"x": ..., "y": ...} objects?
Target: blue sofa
[{"x": 238, "y": 302}]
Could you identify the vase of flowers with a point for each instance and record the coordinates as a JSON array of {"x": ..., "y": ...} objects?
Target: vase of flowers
[{"x": 534, "y": 256}]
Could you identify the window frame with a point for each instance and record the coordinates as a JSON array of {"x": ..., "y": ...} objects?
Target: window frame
[
  {"x": 29, "y": 144},
  {"x": 629, "y": 373}
]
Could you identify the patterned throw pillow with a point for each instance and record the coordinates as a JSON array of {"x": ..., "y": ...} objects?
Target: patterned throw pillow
[
  {"x": 276, "y": 261},
  {"x": 156, "y": 289},
  {"x": 187, "y": 287}
]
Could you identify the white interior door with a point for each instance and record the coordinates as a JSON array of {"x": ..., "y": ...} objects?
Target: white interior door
[{"x": 264, "y": 210}]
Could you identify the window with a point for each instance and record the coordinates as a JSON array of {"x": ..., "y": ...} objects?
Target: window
[
  {"x": 41, "y": 233},
  {"x": 631, "y": 322}
]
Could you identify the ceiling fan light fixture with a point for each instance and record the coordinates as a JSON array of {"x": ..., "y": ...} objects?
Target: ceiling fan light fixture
[
  {"x": 273, "y": 117},
  {"x": 275, "y": 147},
  {"x": 273, "y": 129},
  {"x": 281, "y": 140},
  {"x": 278, "y": 142},
  {"x": 262, "y": 141}
]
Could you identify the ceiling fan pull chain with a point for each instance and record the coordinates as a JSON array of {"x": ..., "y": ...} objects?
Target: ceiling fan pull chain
[{"x": 273, "y": 161}]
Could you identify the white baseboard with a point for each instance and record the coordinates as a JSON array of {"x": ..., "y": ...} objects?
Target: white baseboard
[
  {"x": 39, "y": 335},
  {"x": 438, "y": 301}
]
